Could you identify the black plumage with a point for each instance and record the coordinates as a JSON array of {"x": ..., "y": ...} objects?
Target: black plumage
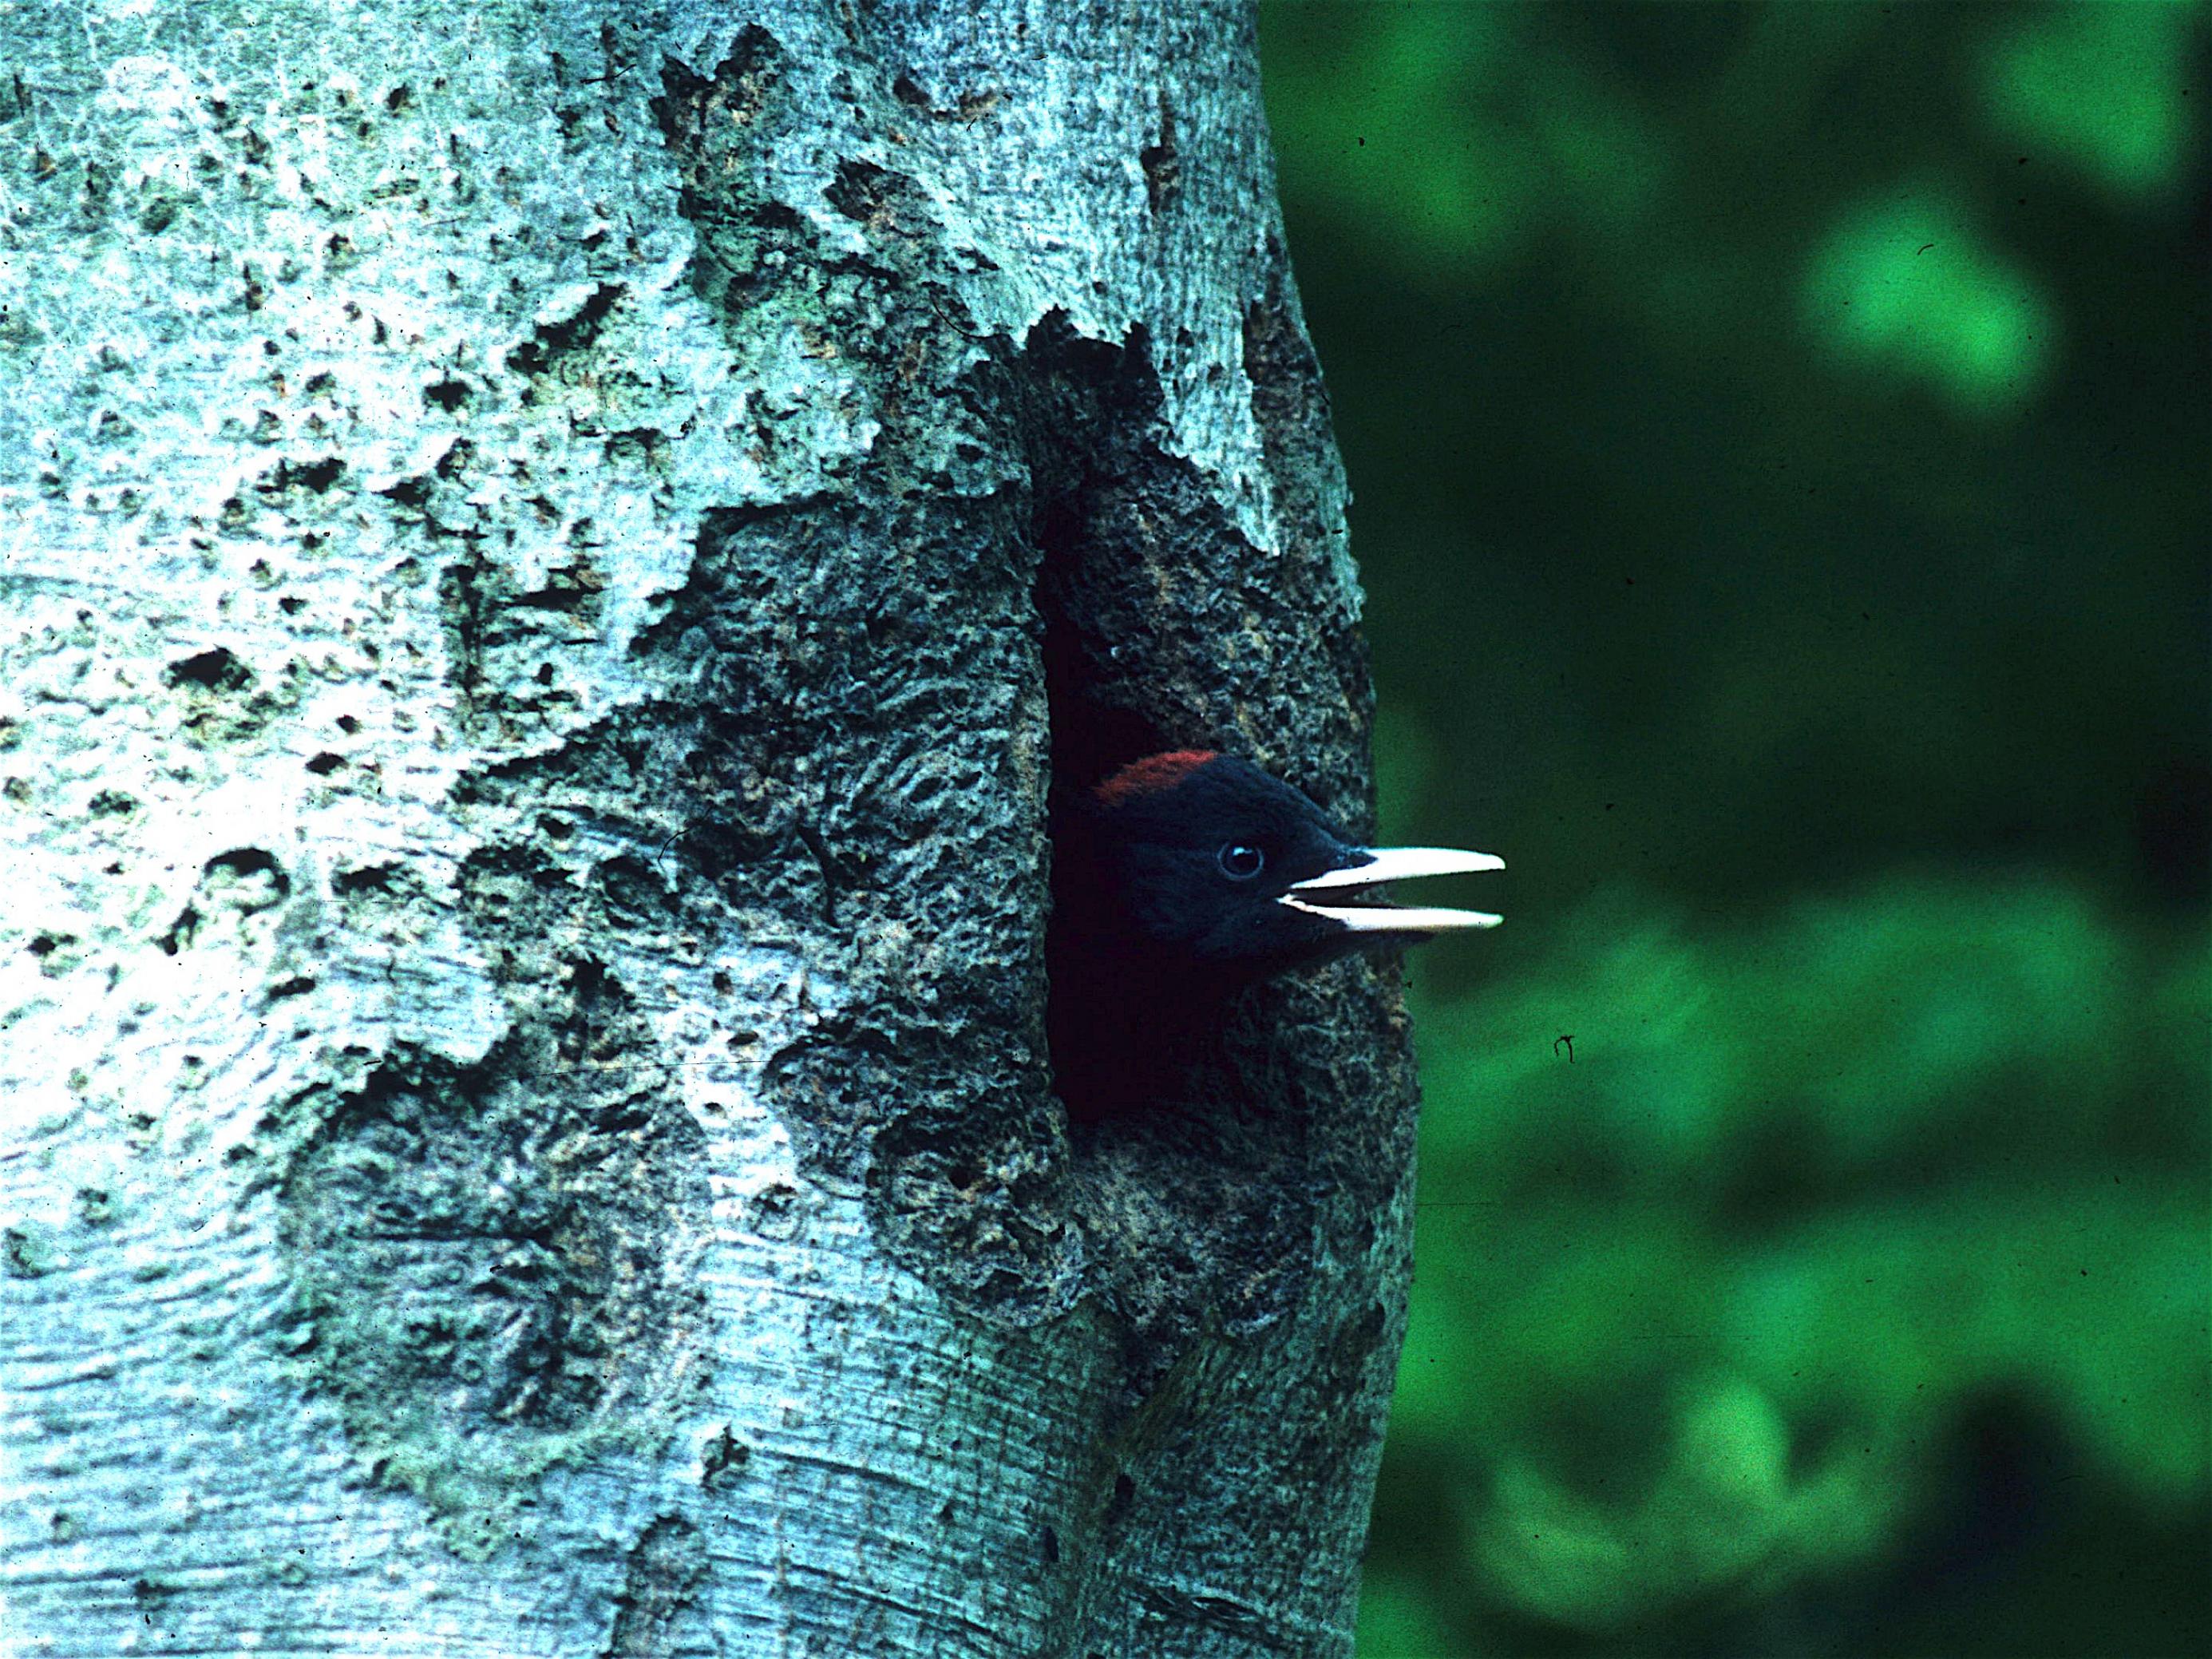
[{"x": 1182, "y": 880}]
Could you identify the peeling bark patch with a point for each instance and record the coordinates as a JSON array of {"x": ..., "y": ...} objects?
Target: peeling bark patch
[
  {"x": 96, "y": 1207},
  {"x": 843, "y": 783},
  {"x": 315, "y": 476},
  {"x": 885, "y": 202},
  {"x": 1162, "y": 163},
  {"x": 1122, "y": 527},
  {"x": 493, "y": 1264},
  {"x": 724, "y": 1461},
  {"x": 234, "y": 888},
  {"x": 820, "y": 320},
  {"x": 666, "y": 1569},
  {"x": 733, "y": 93},
  {"x": 499, "y": 636},
  {"x": 1164, "y": 628},
  {"x": 182, "y": 931},
  {"x": 56, "y": 953},
  {"x": 221, "y": 703},
  {"x": 1287, "y": 403},
  {"x": 449, "y": 394},
  {"x": 213, "y": 670},
  {"x": 968, "y": 108},
  {"x": 986, "y": 1209},
  {"x": 27, "y": 1251},
  {"x": 570, "y": 327},
  {"x": 245, "y": 879},
  {"x": 711, "y": 124},
  {"x": 112, "y": 803},
  {"x": 392, "y": 882},
  {"x": 841, "y": 775}
]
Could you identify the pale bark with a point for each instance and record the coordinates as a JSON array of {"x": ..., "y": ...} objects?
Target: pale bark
[{"x": 550, "y": 553}]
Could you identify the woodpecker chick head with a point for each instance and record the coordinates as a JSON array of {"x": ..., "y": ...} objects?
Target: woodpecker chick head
[{"x": 1204, "y": 862}]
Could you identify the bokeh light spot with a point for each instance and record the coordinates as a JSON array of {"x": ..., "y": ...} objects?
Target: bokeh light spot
[{"x": 1909, "y": 284}]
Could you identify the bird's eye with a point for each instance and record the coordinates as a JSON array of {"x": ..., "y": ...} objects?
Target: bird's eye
[{"x": 1241, "y": 863}]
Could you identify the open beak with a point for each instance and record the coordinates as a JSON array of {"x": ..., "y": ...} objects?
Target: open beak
[{"x": 1347, "y": 898}]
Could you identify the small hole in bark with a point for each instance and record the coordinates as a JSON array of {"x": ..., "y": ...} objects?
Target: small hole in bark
[{"x": 213, "y": 670}]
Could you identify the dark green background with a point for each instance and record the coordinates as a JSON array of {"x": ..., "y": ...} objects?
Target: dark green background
[{"x": 1779, "y": 435}]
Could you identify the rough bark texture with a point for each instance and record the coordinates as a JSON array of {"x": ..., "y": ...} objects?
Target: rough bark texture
[{"x": 551, "y": 556}]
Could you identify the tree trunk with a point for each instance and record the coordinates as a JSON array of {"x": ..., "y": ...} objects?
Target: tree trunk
[{"x": 551, "y": 557}]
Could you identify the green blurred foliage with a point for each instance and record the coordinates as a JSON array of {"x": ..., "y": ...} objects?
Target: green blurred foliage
[
  {"x": 1698, "y": 1308},
  {"x": 1965, "y": 324},
  {"x": 1779, "y": 435},
  {"x": 2104, "y": 87}
]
